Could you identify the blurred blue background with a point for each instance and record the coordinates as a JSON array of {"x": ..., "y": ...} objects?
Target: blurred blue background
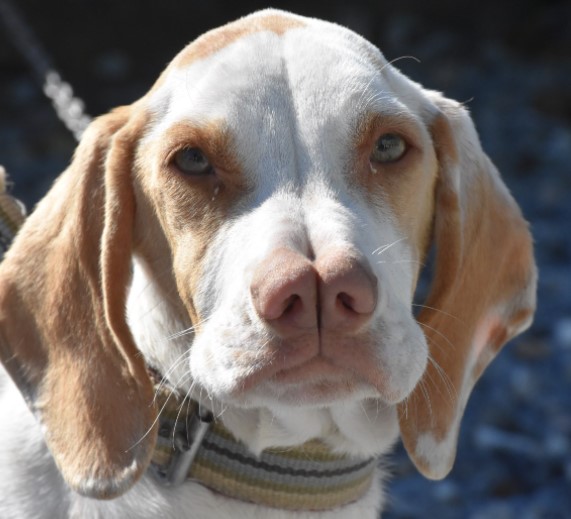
[{"x": 509, "y": 61}]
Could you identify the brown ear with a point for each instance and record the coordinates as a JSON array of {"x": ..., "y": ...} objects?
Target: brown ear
[
  {"x": 483, "y": 291},
  {"x": 63, "y": 335}
]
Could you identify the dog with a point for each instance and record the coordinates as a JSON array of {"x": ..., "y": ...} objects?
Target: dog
[{"x": 246, "y": 240}]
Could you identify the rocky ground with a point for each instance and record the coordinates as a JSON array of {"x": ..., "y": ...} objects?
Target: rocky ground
[{"x": 511, "y": 63}]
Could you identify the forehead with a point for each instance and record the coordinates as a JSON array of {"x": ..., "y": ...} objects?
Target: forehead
[
  {"x": 278, "y": 78},
  {"x": 263, "y": 63}
]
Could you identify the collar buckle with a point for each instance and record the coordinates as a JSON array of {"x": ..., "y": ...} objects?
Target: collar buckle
[{"x": 185, "y": 442}]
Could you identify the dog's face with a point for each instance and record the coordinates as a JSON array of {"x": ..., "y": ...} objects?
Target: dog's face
[
  {"x": 278, "y": 190},
  {"x": 295, "y": 188}
]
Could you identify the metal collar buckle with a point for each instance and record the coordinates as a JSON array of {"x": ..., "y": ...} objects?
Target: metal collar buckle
[{"x": 186, "y": 443}]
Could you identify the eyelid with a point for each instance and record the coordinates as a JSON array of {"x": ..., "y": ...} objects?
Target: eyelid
[
  {"x": 401, "y": 150},
  {"x": 192, "y": 162},
  {"x": 169, "y": 156}
]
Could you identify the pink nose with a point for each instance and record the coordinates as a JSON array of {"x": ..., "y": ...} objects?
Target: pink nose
[
  {"x": 295, "y": 295},
  {"x": 347, "y": 292}
]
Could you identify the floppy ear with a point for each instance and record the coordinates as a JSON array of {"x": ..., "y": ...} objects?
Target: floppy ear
[
  {"x": 482, "y": 294},
  {"x": 63, "y": 335}
]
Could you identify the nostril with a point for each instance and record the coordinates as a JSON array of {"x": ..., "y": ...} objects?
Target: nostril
[
  {"x": 347, "y": 291},
  {"x": 361, "y": 301},
  {"x": 284, "y": 292},
  {"x": 290, "y": 303},
  {"x": 346, "y": 301}
]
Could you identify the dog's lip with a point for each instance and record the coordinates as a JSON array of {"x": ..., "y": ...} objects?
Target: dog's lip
[
  {"x": 315, "y": 370},
  {"x": 318, "y": 375},
  {"x": 343, "y": 366},
  {"x": 314, "y": 374},
  {"x": 316, "y": 381}
]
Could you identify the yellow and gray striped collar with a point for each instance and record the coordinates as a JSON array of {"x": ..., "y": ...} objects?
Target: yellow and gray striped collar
[{"x": 306, "y": 477}]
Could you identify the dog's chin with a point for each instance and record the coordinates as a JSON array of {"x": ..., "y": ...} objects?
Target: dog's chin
[
  {"x": 348, "y": 415},
  {"x": 311, "y": 394},
  {"x": 281, "y": 407},
  {"x": 312, "y": 385}
]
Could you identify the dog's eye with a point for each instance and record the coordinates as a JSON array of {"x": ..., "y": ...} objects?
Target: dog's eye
[
  {"x": 191, "y": 161},
  {"x": 389, "y": 148}
]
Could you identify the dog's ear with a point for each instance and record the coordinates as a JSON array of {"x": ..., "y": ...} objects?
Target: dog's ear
[
  {"x": 63, "y": 333},
  {"x": 482, "y": 294}
]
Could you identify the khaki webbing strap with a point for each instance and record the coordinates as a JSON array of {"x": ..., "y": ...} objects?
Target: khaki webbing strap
[{"x": 305, "y": 477}]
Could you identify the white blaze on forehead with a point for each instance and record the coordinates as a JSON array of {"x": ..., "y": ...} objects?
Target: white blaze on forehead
[
  {"x": 292, "y": 103},
  {"x": 298, "y": 93}
]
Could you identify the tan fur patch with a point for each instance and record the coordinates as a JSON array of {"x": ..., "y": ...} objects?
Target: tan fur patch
[
  {"x": 189, "y": 210},
  {"x": 216, "y": 40},
  {"x": 407, "y": 185},
  {"x": 221, "y": 37},
  {"x": 64, "y": 284},
  {"x": 484, "y": 268}
]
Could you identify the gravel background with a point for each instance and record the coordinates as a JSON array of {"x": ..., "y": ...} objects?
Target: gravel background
[{"x": 511, "y": 62}]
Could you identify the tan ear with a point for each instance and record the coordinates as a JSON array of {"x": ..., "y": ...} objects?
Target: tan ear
[
  {"x": 63, "y": 335},
  {"x": 483, "y": 291}
]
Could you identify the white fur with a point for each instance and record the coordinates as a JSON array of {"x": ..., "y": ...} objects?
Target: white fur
[
  {"x": 312, "y": 87},
  {"x": 28, "y": 470}
]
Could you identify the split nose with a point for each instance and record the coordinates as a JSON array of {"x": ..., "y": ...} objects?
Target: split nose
[
  {"x": 295, "y": 295},
  {"x": 347, "y": 292}
]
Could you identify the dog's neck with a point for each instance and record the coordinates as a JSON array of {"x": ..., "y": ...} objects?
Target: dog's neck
[
  {"x": 359, "y": 429},
  {"x": 192, "y": 445}
]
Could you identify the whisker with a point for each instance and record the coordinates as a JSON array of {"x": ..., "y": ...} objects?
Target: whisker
[
  {"x": 437, "y": 310},
  {"x": 450, "y": 389},
  {"x": 181, "y": 358},
  {"x": 155, "y": 421},
  {"x": 182, "y": 333},
  {"x": 383, "y": 248},
  {"x": 180, "y": 407},
  {"x": 426, "y": 394},
  {"x": 437, "y": 332},
  {"x": 189, "y": 330},
  {"x": 394, "y": 60},
  {"x": 364, "y": 409},
  {"x": 402, "y": 261}
]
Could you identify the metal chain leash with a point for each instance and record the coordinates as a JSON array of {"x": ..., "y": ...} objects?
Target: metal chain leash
[
  {"x": 69, "y": 109},
  {"x": 12, "y": 214}
]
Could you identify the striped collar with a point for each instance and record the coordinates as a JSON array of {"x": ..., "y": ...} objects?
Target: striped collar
[{"x": 307, "y": 477}]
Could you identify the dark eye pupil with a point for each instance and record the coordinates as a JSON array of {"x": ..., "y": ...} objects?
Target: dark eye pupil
[
  {"x": 192, "y": 161},
  {"x": 389, "y": 148},
  {"x": 388, "y": 142}
]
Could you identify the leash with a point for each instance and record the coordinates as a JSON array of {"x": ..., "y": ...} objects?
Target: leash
[
  {"x": 12, "y": 214},
  {"x": 69, "y": 109}
]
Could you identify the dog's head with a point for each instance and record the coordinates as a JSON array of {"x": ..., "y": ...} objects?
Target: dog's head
[{"x": 281, "y": 186}]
